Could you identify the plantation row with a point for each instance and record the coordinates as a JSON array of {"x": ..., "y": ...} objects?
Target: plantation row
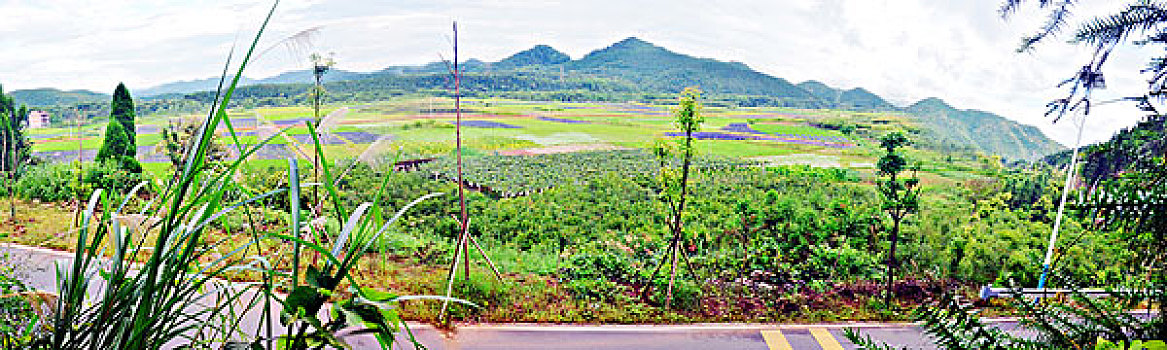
[{"x": 512, "y": 175}]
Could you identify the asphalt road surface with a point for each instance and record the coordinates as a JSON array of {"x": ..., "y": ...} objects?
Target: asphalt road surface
[
  {"x": 759, "y": 337},
  {"x": 36, "y": 268}
]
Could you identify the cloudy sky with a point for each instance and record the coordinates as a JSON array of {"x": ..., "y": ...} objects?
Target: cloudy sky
[{"x": 904, "y": 50}]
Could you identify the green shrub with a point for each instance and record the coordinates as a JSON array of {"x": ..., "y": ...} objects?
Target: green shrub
[
  {"x": 17, "y": 316},
  {"x": 486, "y": 291},
  {"x": 49, "y": 182},
  {"x": 594, "y": 289},
  {"x": 113, "y": 176},
  {"x": 686, "y": 293}
]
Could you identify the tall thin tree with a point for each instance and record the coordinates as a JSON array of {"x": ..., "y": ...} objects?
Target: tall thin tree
[
  {"x": 321, "y": 65},
  {"x": 462, "y": 248},
  {"x": 674, "y": 189},
  {"x": 14, "y": 146},
  {"x": 900, "y": 196}
]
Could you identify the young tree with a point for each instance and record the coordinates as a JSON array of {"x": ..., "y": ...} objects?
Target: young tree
[
  {"x": 674, "y": 186},
  {"x": 320, "y": 65},
  {"x": 462, "y": 248},
  {"x": 900, "y": 196},
  {"x": 178, "y": 137},
  {"x": 14, "y": 146}
]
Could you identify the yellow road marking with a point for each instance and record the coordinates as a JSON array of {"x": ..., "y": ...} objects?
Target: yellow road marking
[
  {"x": 825, "y": 339},
  {"x": 775, "y": 340}
]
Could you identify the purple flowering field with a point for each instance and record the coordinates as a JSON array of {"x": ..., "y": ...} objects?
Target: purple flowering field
[
  {"x": 487, "y": 124},
  {"x": 561, "y": 120},
  {"x": 742, "y": 131}
]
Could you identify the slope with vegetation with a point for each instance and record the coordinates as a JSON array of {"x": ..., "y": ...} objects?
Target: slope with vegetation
[
  {"x": 52, "y": 97},
  {"x": 953, "y": 128},
  {"x": 853, "y": 99}
]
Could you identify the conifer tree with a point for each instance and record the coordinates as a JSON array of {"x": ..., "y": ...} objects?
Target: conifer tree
[
  {"x": 115, "y": 143},
  {"x": 121, "y": 109}
]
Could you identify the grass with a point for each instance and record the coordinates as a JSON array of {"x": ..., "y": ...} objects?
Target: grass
[
  {"x": 38, "y": 224},
  {"x": 65, "y": 145}
]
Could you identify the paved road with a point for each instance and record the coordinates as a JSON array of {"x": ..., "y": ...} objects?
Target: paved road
[
  {"x": 760, "y": 337},
  {"x": 36, "y": 268}
]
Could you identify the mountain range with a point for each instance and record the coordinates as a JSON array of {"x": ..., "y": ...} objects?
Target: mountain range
[{"x": 630, "y": 68}]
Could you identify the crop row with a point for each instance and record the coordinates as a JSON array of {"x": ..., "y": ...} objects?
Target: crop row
[{"x": 509, "y": 176}]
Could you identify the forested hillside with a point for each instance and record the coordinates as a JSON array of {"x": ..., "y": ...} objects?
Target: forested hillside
[
  {"x": 986, "y": 132},
  {"x": 49, "y": 97},
  {"x": 538, "y": 55}
]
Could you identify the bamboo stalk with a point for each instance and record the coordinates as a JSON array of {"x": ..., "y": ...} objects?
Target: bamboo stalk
[
  {"x": 453, "y": 273},
  {"x": 484, "y": 256},
  {"x": 458, "y": 139}
]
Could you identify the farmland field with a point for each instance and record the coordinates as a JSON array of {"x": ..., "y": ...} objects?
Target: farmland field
[{"x": 420, "y": 126}]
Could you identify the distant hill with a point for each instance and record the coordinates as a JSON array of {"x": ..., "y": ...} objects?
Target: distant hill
[
  {"x": 305, "y": 76},
  {"x": 187, "y": 86},
  {"x": 538, "y": 55},
  {"x": 654, "y": 68},
  {"x": 51, "y": 97},
  {"x": 633, "y": 69},
  {"x": 985, "y": 131},
  {"x": 855, "y": 99},
  {"x": 210, "y": 84},
  {"x": 820, "y": 90}
]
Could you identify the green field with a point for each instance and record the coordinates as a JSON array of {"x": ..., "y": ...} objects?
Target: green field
[{"x": 415, "y": 127}]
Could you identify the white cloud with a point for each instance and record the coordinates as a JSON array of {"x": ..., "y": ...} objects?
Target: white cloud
[{"x": 904, "y": 50}]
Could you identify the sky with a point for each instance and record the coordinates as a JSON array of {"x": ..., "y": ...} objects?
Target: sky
[{"x": 904, "y": 50}]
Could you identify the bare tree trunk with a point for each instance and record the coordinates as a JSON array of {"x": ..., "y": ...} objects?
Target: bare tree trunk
[
  {"x": 80, "y": 159},
  {"x": 458, "y": 139},
  {"x": 678, "y": 225},
  {"x": 4, "y": 163},
  {"x": 316, "y": 158},
  {"x": 891, "y": 260},
  {"x": 672, "y": 275}
]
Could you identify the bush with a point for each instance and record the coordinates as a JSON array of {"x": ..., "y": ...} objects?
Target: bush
[
  {"x": 16, "y": 312},
  {"x": 49, "y": 183},
  {"x": 484, "y": 290},
  {"x": 686, "y": 293},
  {"x": 113, "y": 176}
]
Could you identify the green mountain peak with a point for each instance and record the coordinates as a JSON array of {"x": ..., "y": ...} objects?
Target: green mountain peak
[{"x": 538, "y": 55}]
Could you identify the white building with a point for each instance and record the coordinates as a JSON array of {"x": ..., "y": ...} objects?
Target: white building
[{"x": 38, "y": 119}]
